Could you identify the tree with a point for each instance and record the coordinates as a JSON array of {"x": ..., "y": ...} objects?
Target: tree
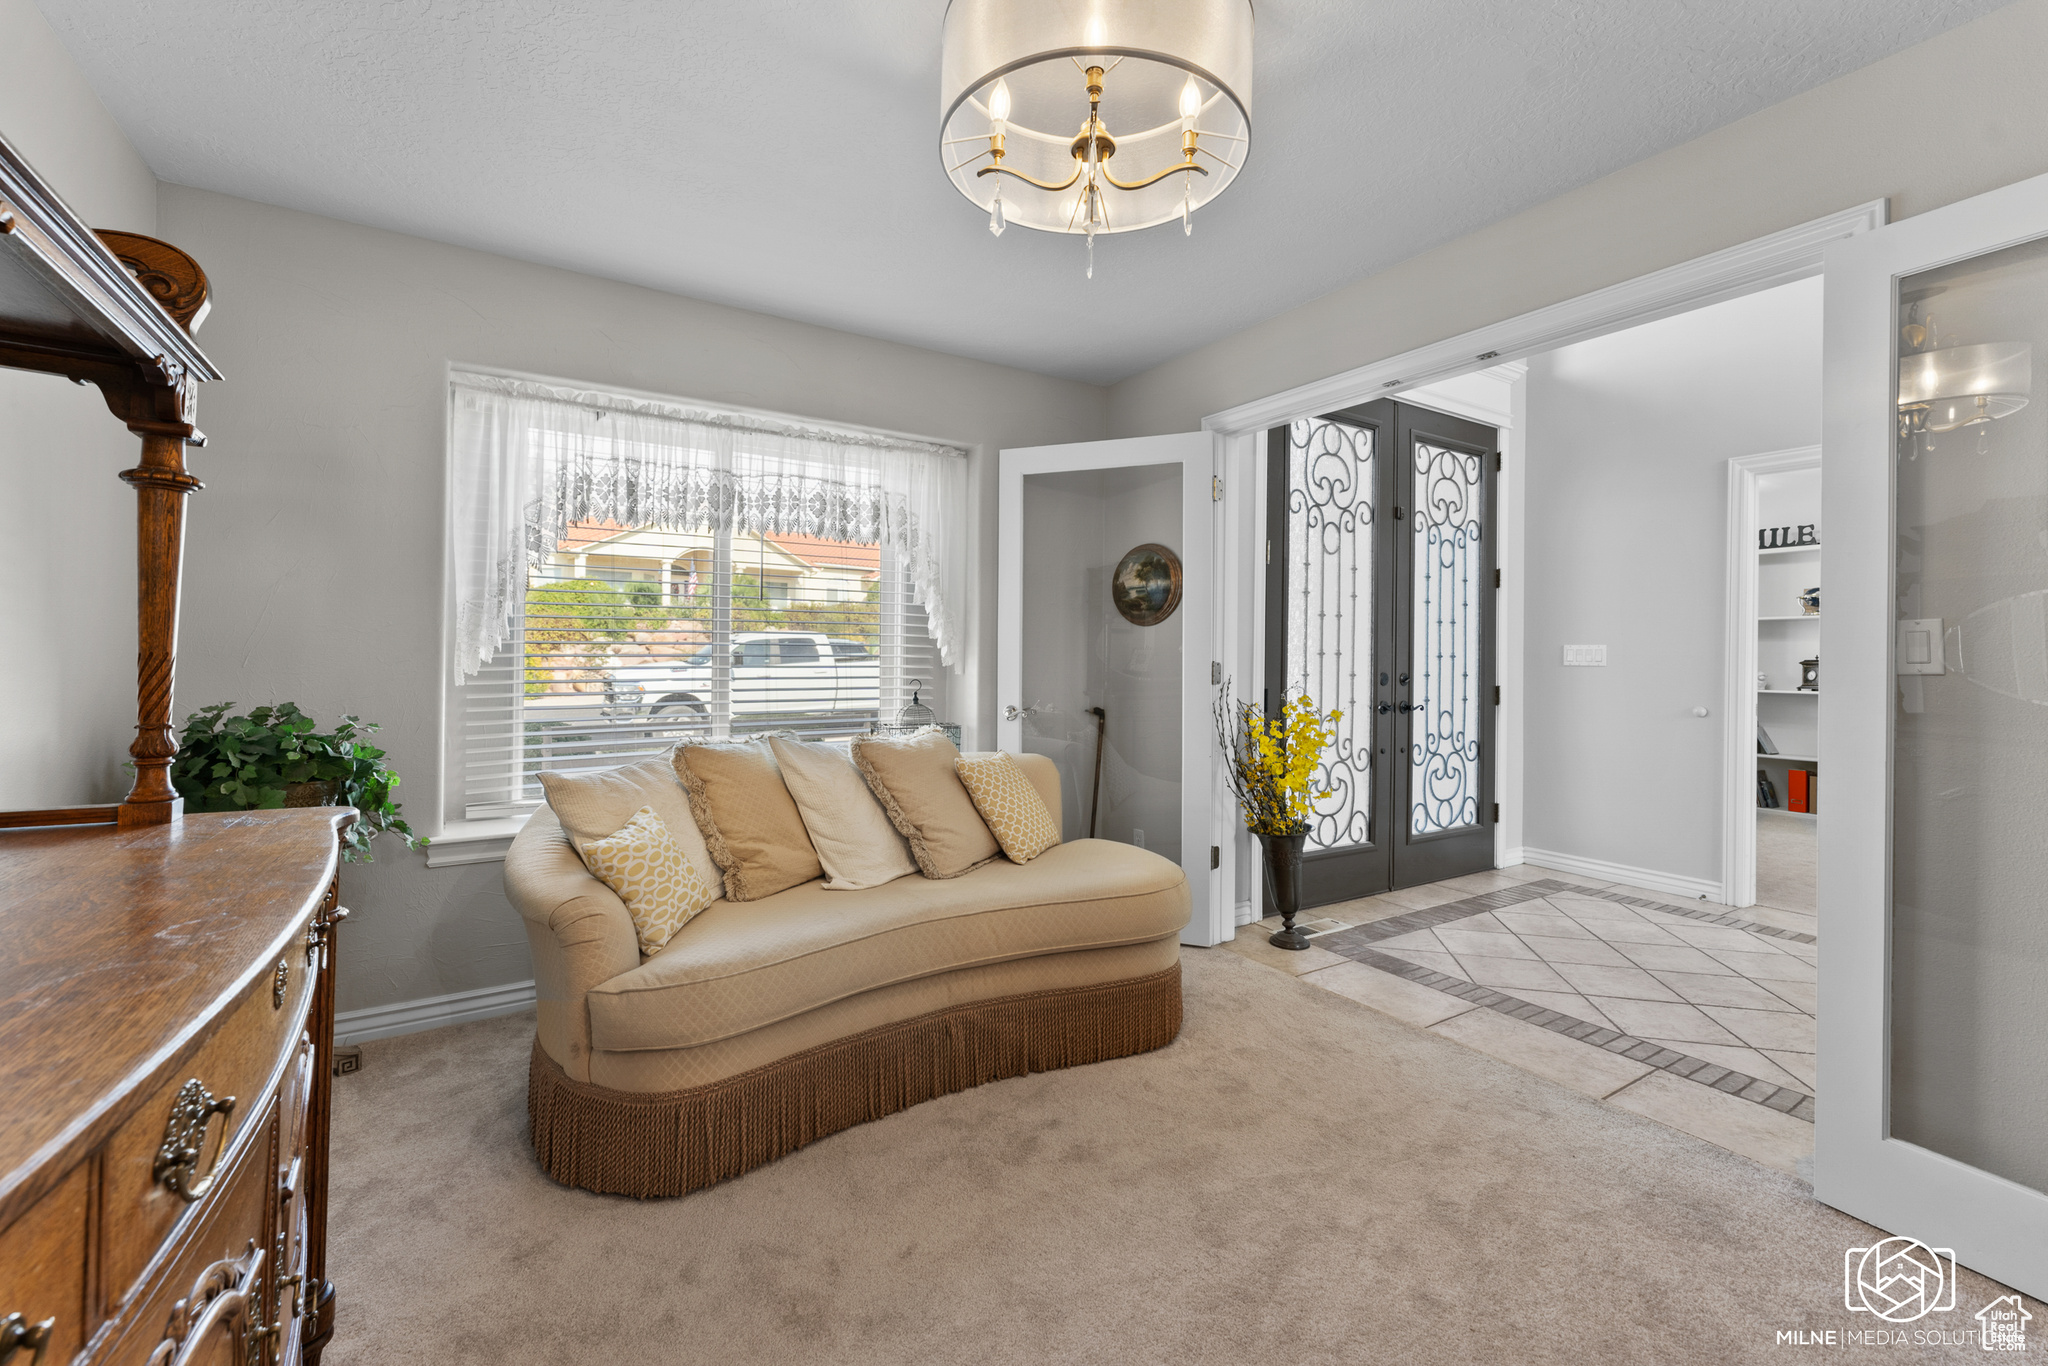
[{"x": 563, "y": 616}]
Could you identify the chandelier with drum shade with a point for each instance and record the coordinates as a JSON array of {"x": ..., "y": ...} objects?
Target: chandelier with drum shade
[{"x": 1030, "y": 91}]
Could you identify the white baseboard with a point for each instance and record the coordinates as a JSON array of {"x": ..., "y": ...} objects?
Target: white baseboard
[
  {"x": 1691, "y": 888},
  {"x": 1244, "y": 913},
  {"x": 410, "y": 1017}
]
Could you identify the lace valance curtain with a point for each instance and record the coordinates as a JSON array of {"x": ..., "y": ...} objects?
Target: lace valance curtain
[{"x": 530, "y": 459}]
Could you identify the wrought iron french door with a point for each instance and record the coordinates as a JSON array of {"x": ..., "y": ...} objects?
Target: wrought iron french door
[{"x": 1379, "y": 602}]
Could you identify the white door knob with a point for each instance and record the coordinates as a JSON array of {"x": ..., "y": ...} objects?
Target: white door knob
[{"x": 1699, "y": 711}]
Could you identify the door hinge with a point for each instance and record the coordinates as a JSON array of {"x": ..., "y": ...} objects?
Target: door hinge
[
  {"x": 1269, "y": 550},
  {"x": 1496, "y": 578},
  {"x": 1215, "y": 856},
  {"x": 1496, "y": 813},
  {"x": 1216, "y": 672},
  {"x": 1496, "y": 694},
  {"x": 1215, "y": 488},
  {"x": 1397, "y": 512},
  {"x": 1496, "y": 460}
]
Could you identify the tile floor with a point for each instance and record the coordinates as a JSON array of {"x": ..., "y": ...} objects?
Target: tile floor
[{"x": 1689, "y": 1013}]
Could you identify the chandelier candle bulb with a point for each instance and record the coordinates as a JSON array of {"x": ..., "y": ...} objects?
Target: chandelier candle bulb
[{"x": 1018, "y": 76}]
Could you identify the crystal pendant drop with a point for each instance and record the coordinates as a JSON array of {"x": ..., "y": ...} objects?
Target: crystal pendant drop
[
  {"x": 1187, "y": 217},
  {"x": 1091, "y": 251},
  {"x": 996, "y": 221}
]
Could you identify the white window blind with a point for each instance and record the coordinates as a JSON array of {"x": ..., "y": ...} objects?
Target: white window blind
[{"x": 629, "y": 574}]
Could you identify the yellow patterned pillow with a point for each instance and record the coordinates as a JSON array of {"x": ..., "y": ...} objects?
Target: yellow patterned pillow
[
  {"x": 654, "y": 877},
  {"x": 1016, "y": 814}
]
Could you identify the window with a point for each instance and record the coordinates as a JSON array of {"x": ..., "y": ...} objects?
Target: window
[{"x": 628, "y": 574}]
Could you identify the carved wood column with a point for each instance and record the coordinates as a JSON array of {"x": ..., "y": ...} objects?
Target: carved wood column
[
  {"x": 157, "y": 402},
  {"x": 160, "y": 483}
]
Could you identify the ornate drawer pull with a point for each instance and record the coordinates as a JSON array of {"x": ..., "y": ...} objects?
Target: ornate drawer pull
[
  {"x": 224, "y": 1290},
  {"x": 17, "y": 1334},
  {"x": 177, "y": 1161}
]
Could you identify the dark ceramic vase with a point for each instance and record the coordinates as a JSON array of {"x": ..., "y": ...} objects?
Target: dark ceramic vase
[{"x": 1283, "y": 880}]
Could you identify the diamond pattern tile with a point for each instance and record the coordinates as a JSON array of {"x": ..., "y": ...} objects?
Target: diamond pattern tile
[{"x": 1698, "y": 992}]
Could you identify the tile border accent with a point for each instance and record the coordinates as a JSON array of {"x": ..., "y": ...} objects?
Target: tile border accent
[
  {"x": 1690, "y": 912},
  {"x": 1355, "y": 944}
]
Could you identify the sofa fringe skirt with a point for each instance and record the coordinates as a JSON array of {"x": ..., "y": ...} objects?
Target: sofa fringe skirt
[{"x": 672, "y": 1142}]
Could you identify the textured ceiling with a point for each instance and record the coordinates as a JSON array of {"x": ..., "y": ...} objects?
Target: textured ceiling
[{"x": 780, "y": 156}]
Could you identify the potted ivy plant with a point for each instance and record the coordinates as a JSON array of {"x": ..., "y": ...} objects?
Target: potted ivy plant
[{"x": 276, "y": 757}]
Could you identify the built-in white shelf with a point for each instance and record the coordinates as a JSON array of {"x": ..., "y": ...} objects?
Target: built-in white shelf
[
  {"x": 1781, "y": 811},
  {"x": 1790, "y": 758},
  {"x": 1797, "y": 616},
  {"x": 1788, "y": 692},
  {"x": 1791, "y": 550}
]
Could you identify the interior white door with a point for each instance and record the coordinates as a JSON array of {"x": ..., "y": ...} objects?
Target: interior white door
[
  {"x": 1067, "y": 516},
  {"x": 1934, "y": 727}
]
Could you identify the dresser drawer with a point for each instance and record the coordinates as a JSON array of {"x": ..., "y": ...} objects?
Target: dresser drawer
[
  {"x": 42, "y": 1268},
  {"x": 140, "y": 1203},
  {"x": 228, "y": 1252}
]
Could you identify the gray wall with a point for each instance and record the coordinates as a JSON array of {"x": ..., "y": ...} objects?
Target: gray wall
[
  {"x": 1079, "y": 652},
  {"x": 1627, "y": 442},
  {"x": 67, "y": 617},
  {"x": 314, "y": 570},
  {"x": 1949, "y": 118}
]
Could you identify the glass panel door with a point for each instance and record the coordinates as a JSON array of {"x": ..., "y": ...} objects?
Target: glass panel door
[
  {"x": 1934, "y": 721},
  {"x": 1449, "y": 554},
  {"x": 1444, "y": 709},
  {"x": 1379, "y": 600},
  {"x": 1332, "y": 489},
  {"x": 1969, "y": 946}
]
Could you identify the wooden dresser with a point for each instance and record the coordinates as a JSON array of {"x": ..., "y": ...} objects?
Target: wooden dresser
[
  {"x": 166, "y": 982},
  {"x": 166, "y": 1027}
]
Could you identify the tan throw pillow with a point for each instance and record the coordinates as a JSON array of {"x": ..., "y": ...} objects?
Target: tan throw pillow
[
  {"x": 856, "y": 845},
  {"x": 750, "y": 822},
  {"x": 914, "y": 780},
  {"x": 593, "y": 805},
  {"x": 1016, "y": 814},
  {"x": 647, "y": 868}
]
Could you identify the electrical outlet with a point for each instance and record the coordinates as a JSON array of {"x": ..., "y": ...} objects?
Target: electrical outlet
[
  {"x": 1585, "y": 655},
  {"x": 1138, "y": 838}
]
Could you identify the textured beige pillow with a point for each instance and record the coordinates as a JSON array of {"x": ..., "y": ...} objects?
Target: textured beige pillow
[
  {"x": 647, "y": 868},
  {"x": 593, "y": 805},
  {"x": 1016, "y": 814},
  {"x": 856, "y": 845},
  {"x": 750, "y": 822},
  {"x": 914, "y": 780}
]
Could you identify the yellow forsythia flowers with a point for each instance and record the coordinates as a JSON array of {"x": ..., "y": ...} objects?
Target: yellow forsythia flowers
[{"x": 1271, "y": 761}]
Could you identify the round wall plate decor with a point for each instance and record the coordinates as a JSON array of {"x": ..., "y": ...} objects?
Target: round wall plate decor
[{"x": 1146, "y": 585}]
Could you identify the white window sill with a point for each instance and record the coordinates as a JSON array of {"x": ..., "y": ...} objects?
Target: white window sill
[{"x": 473, "y": 841}]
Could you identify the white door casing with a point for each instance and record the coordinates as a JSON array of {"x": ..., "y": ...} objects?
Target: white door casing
[
  {"x": 1738, "y": 689},
  {"x": 1996, "y": 1226},
  {"x": 1201, "y": 814}
]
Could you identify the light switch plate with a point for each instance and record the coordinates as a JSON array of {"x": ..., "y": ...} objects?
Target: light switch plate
[
  {"x": 1920, "y": 646},
  {"x": 1585, "y": 655}
]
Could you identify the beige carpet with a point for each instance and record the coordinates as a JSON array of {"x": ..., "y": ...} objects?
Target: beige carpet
[{"x": 1297, "y": 1179}]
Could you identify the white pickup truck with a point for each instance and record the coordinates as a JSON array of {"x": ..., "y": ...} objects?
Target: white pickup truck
[{"x": 775, "y": 675}]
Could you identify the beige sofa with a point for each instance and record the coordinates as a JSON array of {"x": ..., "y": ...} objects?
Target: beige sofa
[{"x": 766, "y": 1024}]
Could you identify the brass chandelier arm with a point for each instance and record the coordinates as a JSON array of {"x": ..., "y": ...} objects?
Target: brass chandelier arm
[
  {"x": 1068, "y": 184},
  {"x": 1175, "y": 169}
]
